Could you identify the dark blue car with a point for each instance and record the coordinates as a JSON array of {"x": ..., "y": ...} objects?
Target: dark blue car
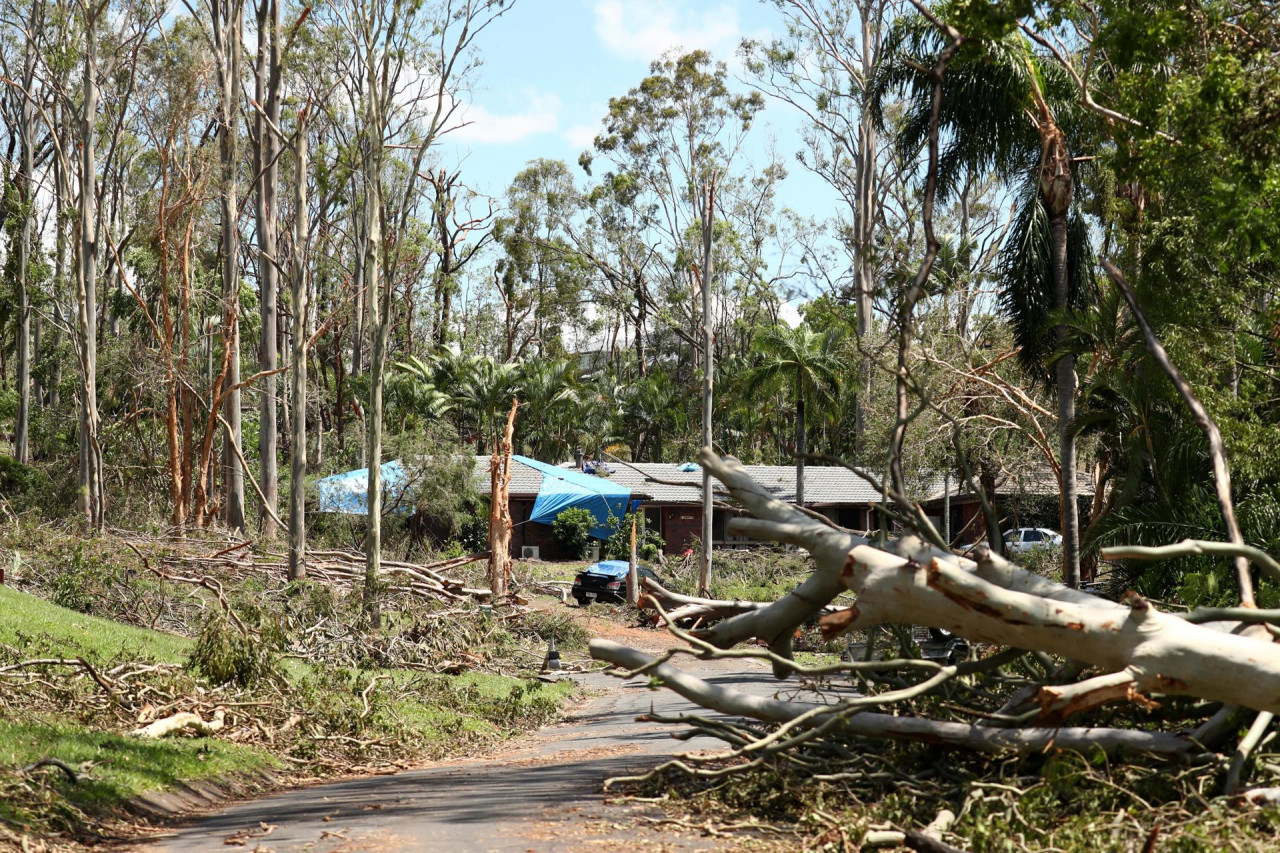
[{"x": 606, "y": 581}]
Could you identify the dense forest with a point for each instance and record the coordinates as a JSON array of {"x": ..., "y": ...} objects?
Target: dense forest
[
  {"x": 235, "y": 261},
  {"x": 228, "y": 242}
]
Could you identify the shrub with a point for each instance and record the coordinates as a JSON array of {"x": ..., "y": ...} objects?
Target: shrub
[
  {"x": 648, "y": 542},
  {"x": 572, "y": 530},
  {"x": 223, "y": 654}
]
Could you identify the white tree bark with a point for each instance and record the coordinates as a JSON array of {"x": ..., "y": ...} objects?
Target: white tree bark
[
  {"x": 298, "y": 363},
  {"x": 726, "y": 700},
  {"x": 1140, "y": 649}
]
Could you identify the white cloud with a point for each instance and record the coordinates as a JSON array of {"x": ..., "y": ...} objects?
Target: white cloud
[
  {"x": 483, "y": 126},
  {"x": 581, "y": 135},
  {"x": 789, "y": 314},
  {"x": 645, "y": 29}
]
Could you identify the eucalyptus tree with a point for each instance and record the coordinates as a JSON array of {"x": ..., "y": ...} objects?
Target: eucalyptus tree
[
  {"x": 460, "y": 234},
  {"x": 664, "y": 142},
  {"x": 225, "y": 35},
  {"x": 1008, "y": 109},
  {"x": 541, "y": 277},
  {"x": 825, "y": 67},
  {"x": 410, "y": 59},
  {"x": 267, "y": 91},
  {"x": 20, "y": 209}
]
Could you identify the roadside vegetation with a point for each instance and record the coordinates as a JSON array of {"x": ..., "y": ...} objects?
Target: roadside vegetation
[{"x": 94, "y": 645}]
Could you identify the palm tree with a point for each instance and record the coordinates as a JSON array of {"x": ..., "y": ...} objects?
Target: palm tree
[
  {"x": 807, "y": 361},
  {"x": 548, "y": 390},
  {"x": 1005, "y": 109}
]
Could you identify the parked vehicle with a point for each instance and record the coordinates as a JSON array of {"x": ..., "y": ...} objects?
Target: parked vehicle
[
  {"x": 607, "y": 581},
  {"x": 1025, "y": 539}
]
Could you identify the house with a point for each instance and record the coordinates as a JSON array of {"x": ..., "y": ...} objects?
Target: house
[{"x": 670, "y": 498}]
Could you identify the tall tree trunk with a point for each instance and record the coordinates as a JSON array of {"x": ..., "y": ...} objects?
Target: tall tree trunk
[
  {"x": 708, "y": 377},
  {"x": 800, "y": 437},
  {"x": 227, "y": 25},
  {"x": 1056, "y": 190},
  {"x": 26, "y": 201},
  {"x": 866, "y": 216},
  {"x": 377, "y": 309},
  {"x": 91, "y": 479},
  {"x": 298, "y": 364},
  {"x": 268, "y": 92}
]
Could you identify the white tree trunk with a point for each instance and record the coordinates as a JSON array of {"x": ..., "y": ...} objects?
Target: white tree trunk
[
  {"x": 298, "y": 364},
  {"x": 1140, "y": 649},
  {"x": 268, "y": 148}
]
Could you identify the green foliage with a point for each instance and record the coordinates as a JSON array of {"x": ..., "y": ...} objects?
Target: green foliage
[
  {"x": 618, "y": 545},
  {"x": 24, "y": 486},
  {"x": 572, "y": 530},
  {"x": 223, "y": 654}
]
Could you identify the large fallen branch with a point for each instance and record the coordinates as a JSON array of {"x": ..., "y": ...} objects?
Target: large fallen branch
[
  {"x": 876, "y": 725},
  {"x": 1128, "y": 651},
  {"x": 681, "y": 607},
  {"x": 991, "y": 600}
]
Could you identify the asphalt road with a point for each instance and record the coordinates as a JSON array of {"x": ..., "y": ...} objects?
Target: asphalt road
[{"x": 541, "y": 793}]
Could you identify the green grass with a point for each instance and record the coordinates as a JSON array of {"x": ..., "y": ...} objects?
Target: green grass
[
  {"x": 114, "y": 769},
  {"x": 39, "y": 627}
]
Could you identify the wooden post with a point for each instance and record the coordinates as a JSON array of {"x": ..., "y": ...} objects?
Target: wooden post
[{"x": 633, "y": 576}]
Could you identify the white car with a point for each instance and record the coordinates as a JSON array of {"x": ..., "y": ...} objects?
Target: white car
[{"x": 1025, "y": 539}]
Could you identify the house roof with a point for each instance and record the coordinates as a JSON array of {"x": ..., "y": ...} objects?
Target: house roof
[
  {"x": 1037, "y": 481},
  {"x": 664, "y": 482}
]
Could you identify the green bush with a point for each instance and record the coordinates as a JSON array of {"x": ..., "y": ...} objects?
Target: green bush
[
  {"x": 572, "y": 530},
  {"x": 648, "y": 542},
  {"x": 23, "y": 486},
  {"x": 223, "y": 654}
]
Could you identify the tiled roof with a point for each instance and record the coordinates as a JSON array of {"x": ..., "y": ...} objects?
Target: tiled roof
[
  {"x": 664, "y": 482},
  {"x": 524, "y": 480},
  {"x": 661, "y": 482},
  {"x": 1038, "y": 481}
]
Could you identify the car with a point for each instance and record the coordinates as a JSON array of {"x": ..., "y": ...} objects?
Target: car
[
  {"x": 607, "y": 581},
  {"x": 1025, "y": 539}
]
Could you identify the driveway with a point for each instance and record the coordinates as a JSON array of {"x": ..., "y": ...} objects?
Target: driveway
[{"x": 539, "y": 793}]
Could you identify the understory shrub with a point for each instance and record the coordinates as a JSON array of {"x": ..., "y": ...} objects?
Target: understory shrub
[{"x": 572, "y": 531}]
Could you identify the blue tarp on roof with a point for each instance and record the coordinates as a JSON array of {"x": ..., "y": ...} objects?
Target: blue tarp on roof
[
  {"x": 349, "y": 492},
  {"x": 563, "y": 488}
]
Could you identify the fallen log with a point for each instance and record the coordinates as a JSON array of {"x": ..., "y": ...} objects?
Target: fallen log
[
  {"x": 991, "y": 600},
  {"x": 877, "y": 725},
  {"x": 180, "y": 722}
]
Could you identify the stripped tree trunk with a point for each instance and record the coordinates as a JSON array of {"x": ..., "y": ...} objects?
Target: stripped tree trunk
[
  {"x": 500, "y": 510},
  {"x": 268, "y": 92},
  {"x": 298, "y": 364},
  {"x": 91, "y": 479}
]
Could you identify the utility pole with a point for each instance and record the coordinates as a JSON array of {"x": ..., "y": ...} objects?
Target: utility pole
[{"x": 708, "y": 352}]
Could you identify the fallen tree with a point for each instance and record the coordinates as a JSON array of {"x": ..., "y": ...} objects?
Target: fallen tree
[{"x": 1128, "y": 651}]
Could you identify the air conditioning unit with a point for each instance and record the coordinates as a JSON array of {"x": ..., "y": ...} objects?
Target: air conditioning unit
[
  {"x": 530, "y": 552},
  {"x": 593, "y": 551}
]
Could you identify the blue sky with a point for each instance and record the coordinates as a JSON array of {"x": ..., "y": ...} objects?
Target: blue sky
[{"x": 550, "y": 67}]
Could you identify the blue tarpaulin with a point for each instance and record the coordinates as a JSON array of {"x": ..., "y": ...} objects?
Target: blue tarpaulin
[
  {"x": 609, "y": 568},
  {"x": 349, "y": 492},
  {"x": 563, "y": 488}
]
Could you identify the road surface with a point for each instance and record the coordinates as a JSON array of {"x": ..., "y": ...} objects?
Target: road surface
[{"x": 539, "y": 793}]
